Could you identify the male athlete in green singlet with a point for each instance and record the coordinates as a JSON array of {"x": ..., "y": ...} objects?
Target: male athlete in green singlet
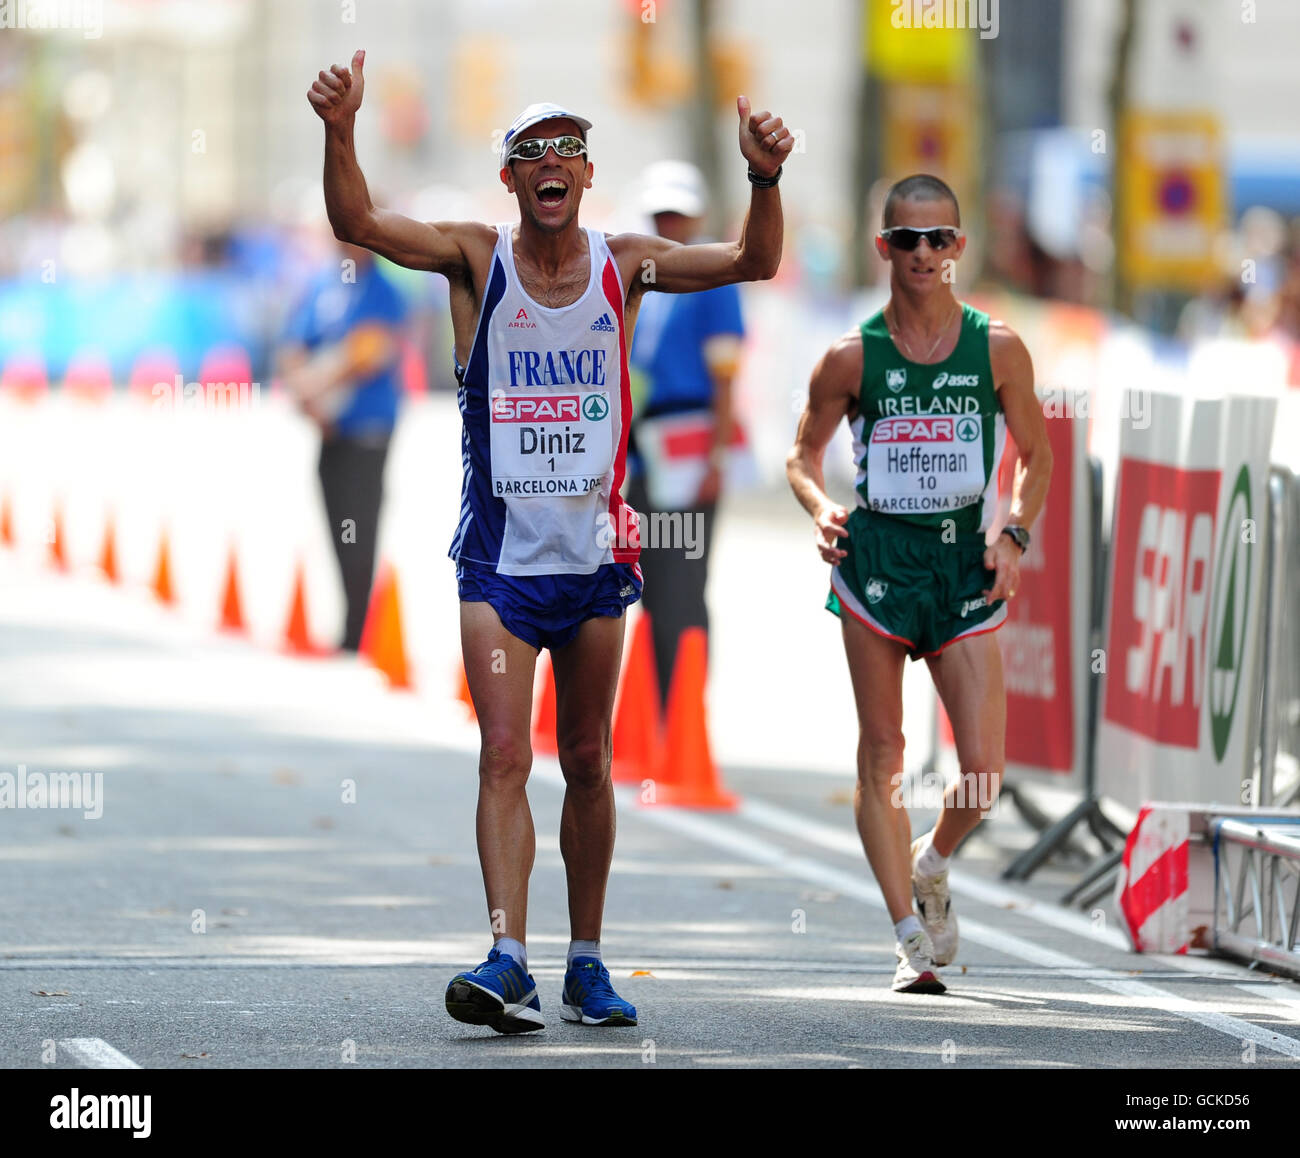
[{"x": 930, "y": 388}]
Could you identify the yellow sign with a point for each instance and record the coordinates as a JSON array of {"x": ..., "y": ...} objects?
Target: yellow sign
[
  {"x": 917, "y": 40},
  {"x": 929, "y": 129},
  {"x": 1172, "y": 189}
]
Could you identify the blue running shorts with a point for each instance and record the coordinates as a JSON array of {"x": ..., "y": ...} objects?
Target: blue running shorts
[{"x": 547, "y": 610}]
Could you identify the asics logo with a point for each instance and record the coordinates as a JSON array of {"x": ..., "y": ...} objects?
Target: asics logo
[{"x": 946, "y": 379}]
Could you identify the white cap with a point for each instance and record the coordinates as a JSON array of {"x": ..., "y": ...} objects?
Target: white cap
[
  {"x": 673, "y": 187},
  {"x": 533, "y": 115}
]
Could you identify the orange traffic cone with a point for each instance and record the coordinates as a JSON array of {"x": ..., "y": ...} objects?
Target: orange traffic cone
[
  {"x": 297, "y": 640},
  {"x": 6, "y": 522},
  {"x": 544, "y": 740},
  {"x": 463, "y": 694},
  {"x": 232, "y": 611},
  {"x": 381, "y": 635},
  {"x": 637, "y": 716},
  {"x": 58, "y": 549},
  {"x": 108, "y": 555},
  {"x": 162, "y": 576},
  {"x": 685, "y": 772}
]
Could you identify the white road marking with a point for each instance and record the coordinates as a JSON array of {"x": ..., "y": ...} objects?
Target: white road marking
[
  {"x": 987, "y": 892},
  {"x": 722, "y": 835},
  {"x": 96, "y": 1054},
  {"x": 1288, "y": 995}
]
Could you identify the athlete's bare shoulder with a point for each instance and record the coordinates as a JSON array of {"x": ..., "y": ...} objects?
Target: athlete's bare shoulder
[
  {"x": 1008, "y": 355},
  {"x": 842, "y": 362},
  {"x": 472, "y": 232},
  {"x": 624, "y": 242},
  {"x": 474, "y": 239},
  {"x": 634, "y": 255},
  {"x": 837, "y": 377}
]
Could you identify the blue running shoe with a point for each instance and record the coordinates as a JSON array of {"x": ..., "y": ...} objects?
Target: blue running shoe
[
  {"x": 590, "y": 998},
  {"x": 498, "y": 993}
]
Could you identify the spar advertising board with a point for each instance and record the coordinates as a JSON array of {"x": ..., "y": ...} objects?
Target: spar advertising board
[
  {"x": 1181, "y": 657},
  {"x": 1044, "y": 641}
]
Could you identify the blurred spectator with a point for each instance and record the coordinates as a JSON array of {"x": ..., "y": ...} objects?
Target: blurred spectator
[
  {"x": 340, "y": 363},
  {"x": 685, "y": 353},
  {"x": 1288, "y": 310}
]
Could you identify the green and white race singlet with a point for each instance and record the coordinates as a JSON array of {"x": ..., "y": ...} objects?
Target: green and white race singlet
[{"x": 927, "y": 439}]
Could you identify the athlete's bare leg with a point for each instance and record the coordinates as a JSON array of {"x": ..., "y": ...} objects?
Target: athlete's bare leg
[
  {"x": 499, "y": 667},
  {"x": 876, "y": 667},
  {"x": 968, "y": 676},
  {"x": 586, "y": 675}
]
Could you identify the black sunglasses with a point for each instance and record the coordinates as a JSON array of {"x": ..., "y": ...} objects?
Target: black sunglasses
[{"x": 938, "y": 236}]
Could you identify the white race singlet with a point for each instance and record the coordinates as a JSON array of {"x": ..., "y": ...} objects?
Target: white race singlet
[{"x": 545, "y": 404}]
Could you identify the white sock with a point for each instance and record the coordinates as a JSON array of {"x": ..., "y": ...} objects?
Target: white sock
[
  {"x": 512, "y": 948},
  {"x": 582, "y": 949},
  {"x": 907, "y": 926},
  {"x": 930, "y": 863}
]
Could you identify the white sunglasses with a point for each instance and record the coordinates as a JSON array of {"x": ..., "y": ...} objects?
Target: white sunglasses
[{"x": 534, "y": 148}]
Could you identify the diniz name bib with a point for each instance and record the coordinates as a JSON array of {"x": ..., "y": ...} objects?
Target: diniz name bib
[{"x": 550, "y": 444}]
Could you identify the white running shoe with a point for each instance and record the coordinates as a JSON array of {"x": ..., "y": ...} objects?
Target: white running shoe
[
  {"x": 934, "y": 906},
  {"x": 916, "y": 972}
]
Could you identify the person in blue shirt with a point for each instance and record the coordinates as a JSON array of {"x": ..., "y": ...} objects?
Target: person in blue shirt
[
  {"x": 684, "y": 356},
  {"x": 340, "y": 361}
]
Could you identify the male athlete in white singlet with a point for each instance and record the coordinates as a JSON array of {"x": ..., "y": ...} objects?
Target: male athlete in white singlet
[{"x": 546, "y": 552}]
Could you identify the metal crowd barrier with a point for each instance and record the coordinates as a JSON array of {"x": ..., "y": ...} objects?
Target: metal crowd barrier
[
  {"x": 1280, "y": 705},
  {"x": 1088, "y": 810},
  {"x": 1277, "y": 773},
  {"x": 1257, "y": 890}
]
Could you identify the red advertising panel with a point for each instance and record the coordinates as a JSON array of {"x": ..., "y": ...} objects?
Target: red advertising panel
[
  {"x": 1160, "y": 606},
  {"x": 1035, "y": 640}
]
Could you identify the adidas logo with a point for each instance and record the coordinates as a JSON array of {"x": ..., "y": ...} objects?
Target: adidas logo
[{"x": 604, "y": 325}]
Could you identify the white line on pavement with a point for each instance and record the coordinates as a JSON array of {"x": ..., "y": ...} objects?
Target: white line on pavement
[
  {"x": 722, "y": 835},
  {"x": 1288, "y": 995},
  {"x": 987, "y": 892},
  {"x": 96, "y": 1054}
]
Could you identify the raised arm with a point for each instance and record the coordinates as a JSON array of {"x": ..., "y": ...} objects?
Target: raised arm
[
  {"x": 660, "y": 264},
  {"x": 832, "y": 392},
  {"x": 336, "y": 96}
]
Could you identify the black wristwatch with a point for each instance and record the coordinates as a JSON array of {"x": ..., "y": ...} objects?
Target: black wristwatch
[{"x": 1019, "y": 534}]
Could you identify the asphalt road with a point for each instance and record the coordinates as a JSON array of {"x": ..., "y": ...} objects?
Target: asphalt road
[{"x": 284, "y": 874}]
